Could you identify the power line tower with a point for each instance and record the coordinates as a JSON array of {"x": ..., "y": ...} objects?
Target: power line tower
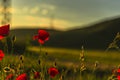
[
  {"x": 52, "y": 17},
  {"x": 5, "y": 12}
]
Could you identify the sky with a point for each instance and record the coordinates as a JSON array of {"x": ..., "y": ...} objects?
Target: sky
[{"x": 62, "y": 14}]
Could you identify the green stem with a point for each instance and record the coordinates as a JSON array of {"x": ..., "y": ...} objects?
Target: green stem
[
  {"x": 6, "y": 46},
  {"x": 41, "y": 65},
  {"x": 12, "y": 50}
]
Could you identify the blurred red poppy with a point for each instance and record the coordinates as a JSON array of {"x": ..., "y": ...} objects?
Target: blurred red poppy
[
  {"x": 118, "y": 72},
  {"x": 118, "y": 77},
  {"x": 1, "y": 55},
  {"x": 42, "y": 36},
  {"x": 10, "y": 77},
  {"x": 22, "y": 77},
  {"x": 36, "y": 75},
  {"x": 4, "y": 31},
  {"x": 53, "y": 72}
]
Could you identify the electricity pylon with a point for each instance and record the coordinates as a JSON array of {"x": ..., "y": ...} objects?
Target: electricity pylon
[
  {"x": 52, "y": 17},
  {"x": 5, "y": 12}
]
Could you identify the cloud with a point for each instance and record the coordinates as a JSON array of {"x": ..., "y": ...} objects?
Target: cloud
[
  {"x": 48, "y": 6},
  {"x": 1, "y": 8},
  {"x": 14, "y": 10},
  {"x": 31, "y": 16},
  {"x": 10, "y": 10},
  {"x": 61, "y": 24},
  {"x": 25, "y": 9},
  {"x": 44, "y": 11},
  {"x": 32, "y": 21},
  {"x": 34, "y": 10},
  {"x": 46, "y": 22},
  {"x": 25, "y": 20}
]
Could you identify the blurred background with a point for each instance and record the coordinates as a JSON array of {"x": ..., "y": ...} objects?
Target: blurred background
[
  {"x": 71, "y": 23},
  {"x": 76, "y": 28}
]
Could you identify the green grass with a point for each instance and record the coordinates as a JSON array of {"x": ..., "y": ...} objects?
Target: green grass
[
  {"x": 68, "y": 59},
  {"x": 72, "y": 55}
]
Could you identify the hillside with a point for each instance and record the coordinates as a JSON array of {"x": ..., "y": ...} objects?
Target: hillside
[{"x": 96, "y": 36}]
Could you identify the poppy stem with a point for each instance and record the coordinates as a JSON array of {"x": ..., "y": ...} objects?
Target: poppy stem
[
  {"x": 12, "y": 49},
  {"x": 6, "y": 46},
  {"x": 40, "y": 48},
  {"x": 1, "y": 73},
  {"x": 41, "y": 63}
]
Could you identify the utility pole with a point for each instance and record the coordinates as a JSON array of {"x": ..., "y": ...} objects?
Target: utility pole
[
  {"x": 5, "y": 12},
  {"x": 52, "y": 17}
]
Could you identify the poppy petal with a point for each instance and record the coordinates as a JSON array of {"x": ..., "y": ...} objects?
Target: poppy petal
[
  {"x": 4, "y": 30},
  {"x": 36, "y": 75},
  {"x": 47, "y": 39},
  {"x": 118, "y": 77},
  {"x": 35, "y": 37},
  {"x": 43, "y": 35},
  {"x": 10, "y": 77},
  {"x": 41, "y": 41},
  {"x": 1, "y": 37},
  {"x": 118, "y": 70},
  {"x": 22, "y": 77},
  {"x": 1, "y": 55},
  {"x": 53, "y": 72}
]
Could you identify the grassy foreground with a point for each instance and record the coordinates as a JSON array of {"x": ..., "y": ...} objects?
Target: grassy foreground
[{"x": 68, "y": 62}]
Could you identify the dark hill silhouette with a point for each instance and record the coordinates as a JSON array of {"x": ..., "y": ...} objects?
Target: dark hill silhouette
[{"x": 97, "y": 36}]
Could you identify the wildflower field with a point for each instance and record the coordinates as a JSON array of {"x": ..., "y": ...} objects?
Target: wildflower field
[{"x": 48, "y": 63}]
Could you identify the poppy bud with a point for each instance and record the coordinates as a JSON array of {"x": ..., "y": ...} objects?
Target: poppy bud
[
  {"x": 14, "y": 38},
  {"x": 39, "y": 62},
  {"x": 46, "y": 53},
  {"x": 96, "y": 64},
  {"x": 21, "y": 57},
  {"x": 55, "y": 64},
  {"x": 6, "y": 69}
]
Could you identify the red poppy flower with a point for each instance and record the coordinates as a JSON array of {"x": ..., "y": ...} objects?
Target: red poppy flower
[
  {"x": 118, "y": 77},
  {"x": 36, "y": 75},
  {"x": 53, "y": 72},
  {"x": 22, "y": 77},
  {"x": 118, "y": 72},
  {"x": 9, "y": 77},
  {"x": 4, "y": 31},
  {"x": 42, "y": 36},
  {"x": 1, "y": 55}
]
